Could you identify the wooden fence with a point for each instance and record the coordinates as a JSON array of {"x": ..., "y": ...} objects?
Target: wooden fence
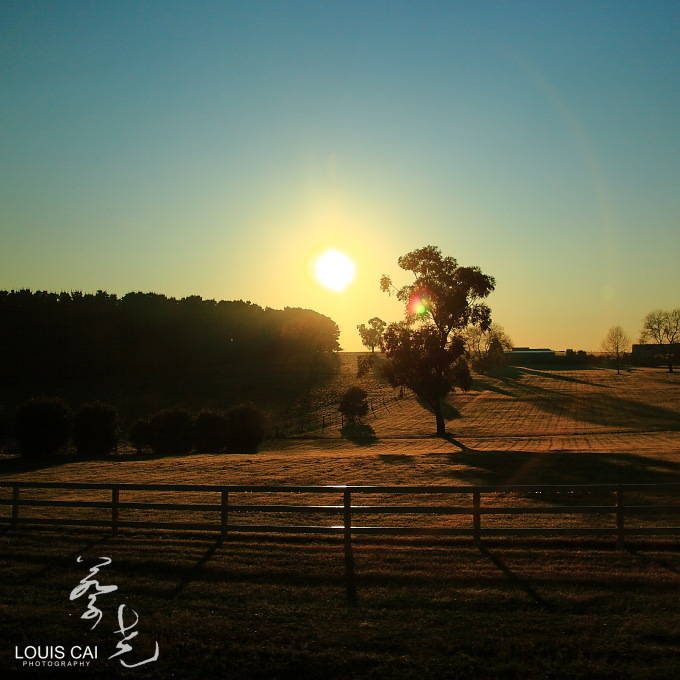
[{"x": 622, "y": 509}]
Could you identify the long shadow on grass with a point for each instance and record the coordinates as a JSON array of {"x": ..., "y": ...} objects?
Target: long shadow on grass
[
  {"x": 480, "y": 384},
  {"x": 359, "y": 434},
  {"x": 519, "y": 582},
  {"x": 525, "y": 467},
  {"x": 194, "y": 572},
  {"x": 449, "y": 412},
  {"x": 397, "y": 458},
  {"x": 560, "y": 375},
  {"x": 655, "y": 561},
  {"x": 56, "y": 562},
  {"x": 599, "y": 408}
]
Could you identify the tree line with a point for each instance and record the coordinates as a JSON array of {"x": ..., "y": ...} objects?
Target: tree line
[
  {"x": 42, "y": 427},
  {"x": 49, "y": 336}
]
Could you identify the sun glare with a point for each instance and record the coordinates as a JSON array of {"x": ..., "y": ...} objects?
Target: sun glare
[{"x": 334, "y": 270}]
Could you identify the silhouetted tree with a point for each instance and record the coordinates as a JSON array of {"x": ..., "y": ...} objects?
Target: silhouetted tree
[
  {"x": 308, "y": 335},
  {"x": 4, "y": 427},
  {"x": 353, "y": 404},
  {"x": 364, "y": 364},
  {"x": 371, "y": 335},
  {"x": 246, "y": 428},
  {"x": 211, "y": 432},
  {"x": 663, "y": 328},
  {"x": 48, "y": 337},
  {"x": 486, "y": 348},
  {"x": 425, "y": 352},
  {"x": 42, "y": 427},
  {"x": 615, "y": 345},
  {"x": 96, "y": 429},
  {"x": 171, "y": 432},
  {"x": 140, "y": 435}
]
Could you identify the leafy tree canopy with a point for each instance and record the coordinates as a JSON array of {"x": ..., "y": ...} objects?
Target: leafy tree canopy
[
  {"x": 371, "y": 335},
  {"x": 663, "y": 328},
  {"x": 426, "y": 351}
]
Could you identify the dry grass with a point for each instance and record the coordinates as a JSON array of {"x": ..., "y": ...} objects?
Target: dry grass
[{"x": 257, "y": 607}]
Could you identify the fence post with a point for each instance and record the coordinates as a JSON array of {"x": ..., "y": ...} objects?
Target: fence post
[
  {"x": 225, "y": 514},
  {"x": 15, "y": 506},
  {"x": 477, "y": 518},
  {"x": 349, "y": 557},
  {"x": 115, "y": 497},
  {"x": 620, "y": 543}
]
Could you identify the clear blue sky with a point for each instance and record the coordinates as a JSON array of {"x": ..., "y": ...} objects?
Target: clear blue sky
[{"x": 210, "y": 147}]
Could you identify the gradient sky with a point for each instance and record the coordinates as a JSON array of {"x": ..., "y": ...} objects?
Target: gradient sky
[{"x": 210, "y": 148}]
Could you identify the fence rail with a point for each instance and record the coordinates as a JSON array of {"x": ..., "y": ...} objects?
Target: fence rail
[
  {"x": 224, "y": 509},
  {"x": 622, "y": 502}
]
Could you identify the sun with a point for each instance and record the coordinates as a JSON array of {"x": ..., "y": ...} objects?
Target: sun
[{"x": 333, "y": 269}]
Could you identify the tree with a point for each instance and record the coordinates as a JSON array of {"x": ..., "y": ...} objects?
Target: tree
[
  {"x": 42, "y": 427},
  {"x": 140, "y": 435},
  {"x": 95, "y": 430},
  {"x": 246, "y": 428},
  {"x": 663, "y": 328},
  {"x": 353, "y": 404},
  {"x": 4, "y": 429},
  {"x": 425, "y": 352},
  {"x": 615, "y": 345},
  {"x": 371, "y": 335},
  {"x": 309, "y": 336},
  {"x": 486, "y": 348},
  {"x": 211, "y": 433},
  {"x": 171, "y": 432}
]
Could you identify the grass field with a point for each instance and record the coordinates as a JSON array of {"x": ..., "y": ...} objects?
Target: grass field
[{"x": 256, "y": 607}]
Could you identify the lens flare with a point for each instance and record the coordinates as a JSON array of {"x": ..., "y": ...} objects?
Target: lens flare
[{"x": 419, "y": 304}]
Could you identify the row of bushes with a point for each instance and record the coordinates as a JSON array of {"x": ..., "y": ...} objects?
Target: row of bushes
[
  {"x": 44, "y": 426},
  {"x": 241, "y": 429}
]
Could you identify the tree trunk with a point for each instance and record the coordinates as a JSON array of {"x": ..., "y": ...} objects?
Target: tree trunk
[{"x": 439, "y": 417}]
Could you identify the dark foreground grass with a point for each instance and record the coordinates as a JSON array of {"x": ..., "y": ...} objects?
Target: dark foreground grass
[{"x": 258, "y": 607}]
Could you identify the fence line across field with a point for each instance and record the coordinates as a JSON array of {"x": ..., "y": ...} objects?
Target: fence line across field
[{"x": 224, "y": 510}]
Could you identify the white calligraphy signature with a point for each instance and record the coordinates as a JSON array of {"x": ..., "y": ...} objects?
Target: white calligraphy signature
[{"x": 94, "y": 589}]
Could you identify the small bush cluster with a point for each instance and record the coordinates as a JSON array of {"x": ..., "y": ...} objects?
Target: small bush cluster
[
  {"x": 95, "y": 430},
  {"x": 246, "y": 429},
  {"x": 43, "y": 427},
  {"x": 174, "y": 431},
  {"x": 171, "y": 432},
  {"x": 353, "y": 404},
  {"x": 211, "y": 432}
]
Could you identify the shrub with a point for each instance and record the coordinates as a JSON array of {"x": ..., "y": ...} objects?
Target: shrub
[
  {"x": 171, "y": 432},
  {"x": 96, "y": 430},
  {"x": 211, "y": 432},
  {"x": 353, "y": 404},
  {"x": 140, "y": 435},
  {"x": 3, "y": 427},
  {"x": 41, "y": 427},
  {"x": 245, "y": 428}
]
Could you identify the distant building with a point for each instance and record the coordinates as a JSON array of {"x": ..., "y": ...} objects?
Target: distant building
[{"x": 526, "y": 355}]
